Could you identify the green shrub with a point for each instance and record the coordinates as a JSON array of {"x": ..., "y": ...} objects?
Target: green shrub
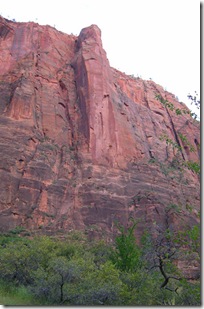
[
  {"x": 74, "y": 271},
  {"x": 127, "y": 254}
]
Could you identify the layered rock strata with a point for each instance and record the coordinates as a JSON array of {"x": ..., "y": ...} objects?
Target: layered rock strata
[{"x": 81, "y": 142}]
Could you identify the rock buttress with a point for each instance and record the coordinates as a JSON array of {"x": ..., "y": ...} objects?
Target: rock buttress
[{"x": 81, "y": 142}]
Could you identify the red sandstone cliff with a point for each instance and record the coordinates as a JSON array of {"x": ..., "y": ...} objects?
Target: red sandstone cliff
[{"x": 76, "y": 137}]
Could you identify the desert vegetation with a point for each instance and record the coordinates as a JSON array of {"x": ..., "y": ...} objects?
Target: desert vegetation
[{"x": 72, "y": 270}]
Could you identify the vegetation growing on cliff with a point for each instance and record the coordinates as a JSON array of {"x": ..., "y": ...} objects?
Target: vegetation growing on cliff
[
  {"x": 42, "y": 270},
  {"x": 180, "y": 138}
]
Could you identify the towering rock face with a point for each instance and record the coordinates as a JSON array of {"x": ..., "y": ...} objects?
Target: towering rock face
[{"x": 81, "y": 143}]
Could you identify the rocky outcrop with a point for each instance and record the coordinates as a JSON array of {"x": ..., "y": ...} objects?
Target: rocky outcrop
[{"x": 81, "y": 142}]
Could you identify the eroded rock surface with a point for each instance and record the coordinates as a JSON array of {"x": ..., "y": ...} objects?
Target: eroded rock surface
[{"x": 81, "y": 142}]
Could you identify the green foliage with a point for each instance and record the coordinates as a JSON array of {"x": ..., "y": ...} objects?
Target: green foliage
[
  {"x": 186, "y": 142},
  {"x": 16, "y": 263},
  {"x": 11, "y": 295},
  {"x": 17, "y": 230},
  {"x": 193, "y": 166},
  {"x": 171, "y": 107},
  {"x": 175, "y": 207},
  {"x": 190, "y": 239},
  {"x": 166, "y": 103},
  {"x": 141, "y": 288},
  {"x": 169, "y": 141},
  {"x": 126, "y": 255},
  {"x": 74, "y": 271},
  {"x": 9, "y": 238},
  {"x": 101, "y": 251},
  {"x": 172, "y": 169},
  {"x": 101, "y": 286},
  {"x": 51, "y": 282},
  {"x": 194, "y": 235},
  {"x": 189, "y": 208}
]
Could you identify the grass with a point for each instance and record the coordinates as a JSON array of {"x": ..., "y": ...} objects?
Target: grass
[{"x": 15, "y": 296}]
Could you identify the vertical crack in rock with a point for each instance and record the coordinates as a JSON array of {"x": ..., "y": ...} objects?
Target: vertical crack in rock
[
  {"x": 175, "y": 134},
  {"x": 85, "y": 133}
]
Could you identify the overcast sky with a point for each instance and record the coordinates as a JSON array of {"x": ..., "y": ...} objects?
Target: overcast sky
[{"x": 155, "y": 39}]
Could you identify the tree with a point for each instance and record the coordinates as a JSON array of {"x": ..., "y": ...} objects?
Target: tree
[
  {"x": 127, "y": 255},
  {"x": 17, "y": 260},
  {"x": 101, "y": 286},
  {"x": 52, "y": 283},
  {"x": 194, "y": 99}
]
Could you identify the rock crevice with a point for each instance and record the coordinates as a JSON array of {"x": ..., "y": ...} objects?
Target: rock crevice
[{"x": 77, "y": 137}]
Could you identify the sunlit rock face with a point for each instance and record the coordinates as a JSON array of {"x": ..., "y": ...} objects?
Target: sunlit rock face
[{"x": 81, "y": 142}]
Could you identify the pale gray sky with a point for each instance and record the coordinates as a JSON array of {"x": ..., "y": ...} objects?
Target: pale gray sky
[{"x": 157, "y": 39}]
